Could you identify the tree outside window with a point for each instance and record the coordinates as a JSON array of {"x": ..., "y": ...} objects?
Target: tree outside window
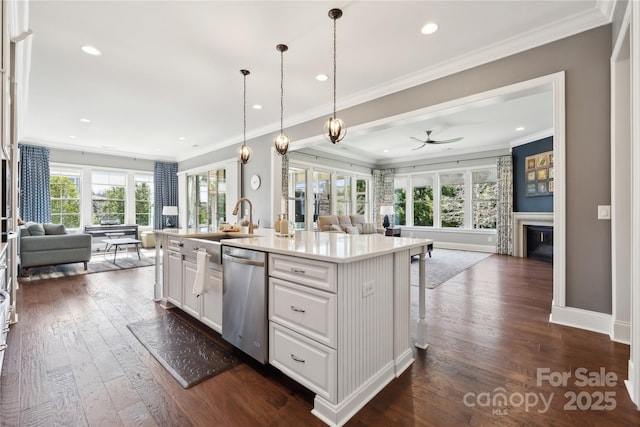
[
  {"x": 452, "y": 200},
  {"x": 343, "y": 195},
  {"x": 108, "y": 196},
  {"x": 144, "y": 199},
  {"x": 423, "y": 201},
  {"x": 65, "y": 198},
  {"x": 484, "y": 193},
  {"x": 400, "y": 200},
  {"x": 362, "y": 199}
]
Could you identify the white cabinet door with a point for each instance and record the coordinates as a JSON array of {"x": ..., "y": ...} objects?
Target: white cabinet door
[
  {"x": 191, "y": 303},
  {"x": 174, "y": 278},
  {"x": 212, "y": 300}
]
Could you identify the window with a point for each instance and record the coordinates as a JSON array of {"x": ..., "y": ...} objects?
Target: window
[
  {"x": 343, "y": 195},
  {"x": 452, "y": 200},
  {"x": 207, "y": 199},
  {"x": 400, "y": 200},
  {"x": 297, "y": 192},
  {"x": 362, "y": 197},
  {"x": 321, "y": 194},
  {"x": 108, "y": 196},
  {"x": 65, "y": 197},
  {"x": 423, "y": 200},
  {"x": 483, "y": 189},
  {"x": 144, "y": 199}
]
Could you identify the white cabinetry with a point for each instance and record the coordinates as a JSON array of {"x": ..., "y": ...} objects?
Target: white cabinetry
[{"x": 178, "y": 277}]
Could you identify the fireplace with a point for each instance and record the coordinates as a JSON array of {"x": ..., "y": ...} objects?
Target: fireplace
[
  {"x": 540, "y": 242},
  {"x": 522, "y": 220}
]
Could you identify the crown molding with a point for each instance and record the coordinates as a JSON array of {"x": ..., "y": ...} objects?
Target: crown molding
[
  {"x": 607, "y": 7},
  {"x": 531, "y": 138}
]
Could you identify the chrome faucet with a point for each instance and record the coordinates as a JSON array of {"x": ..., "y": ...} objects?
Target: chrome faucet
[{"x": 235, "y": 211}]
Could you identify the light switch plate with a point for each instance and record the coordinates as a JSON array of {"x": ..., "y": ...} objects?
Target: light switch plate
[{"x": 604, "y": 211}]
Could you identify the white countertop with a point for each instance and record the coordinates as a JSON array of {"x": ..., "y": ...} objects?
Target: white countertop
[{"x": 334, "y": 247}]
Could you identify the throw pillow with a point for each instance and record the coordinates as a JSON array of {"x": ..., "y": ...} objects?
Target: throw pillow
[
  {"x": 352, "y": 230},
  {"x": 369, "y": 228},
  {"x": 54, "y": 229},
  {"x": 36, "y": 229},
  {"x": 335, "y": 227}
]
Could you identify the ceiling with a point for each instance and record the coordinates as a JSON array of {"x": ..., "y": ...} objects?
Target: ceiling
[{"x": 167, "y": 85}]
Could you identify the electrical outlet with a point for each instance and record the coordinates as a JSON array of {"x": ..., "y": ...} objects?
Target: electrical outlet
[{"x": 367, "y": 289}]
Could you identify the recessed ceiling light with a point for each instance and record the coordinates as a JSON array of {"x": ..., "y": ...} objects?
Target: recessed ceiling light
[
  {"x": 257, "y": 107},
  {"x": 385, "y": 151},
  {"x": 430, "y": 28},
  {"x": 181, "y": 138},
  {"x": 91, "y": 50},
  {"x": 322, "y": 77},
  {"x": 85, "y": 120},
  {"x": 72, "y": 136},
  {"x": 520, "y": 129}
]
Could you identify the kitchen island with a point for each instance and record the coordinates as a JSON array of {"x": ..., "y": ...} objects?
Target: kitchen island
[{"x": 338, "y": 312}]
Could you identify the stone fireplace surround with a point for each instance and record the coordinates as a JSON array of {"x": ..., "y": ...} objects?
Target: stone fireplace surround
[{"x": 521, "y": 220}]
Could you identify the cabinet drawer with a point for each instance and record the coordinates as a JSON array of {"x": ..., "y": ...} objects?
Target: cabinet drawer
[
  {"x": 174, "y": 243},
  {"x": 317, "y": 274},
  {"x": 311, "y": 364},
  {"x": 303, "y": 309}
]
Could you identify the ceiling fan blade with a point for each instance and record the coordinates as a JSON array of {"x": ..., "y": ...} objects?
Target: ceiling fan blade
[
  {"x": 419, "y": 140},
  {"x": 446, "y": 141},
  {"x": 422, "y": 146}
]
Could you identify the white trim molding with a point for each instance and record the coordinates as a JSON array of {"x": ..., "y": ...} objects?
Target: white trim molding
[
  {"x": 621, "y": 332},
  {"x": 583, "y": 319},
  {"x": 522, "y": 219}
]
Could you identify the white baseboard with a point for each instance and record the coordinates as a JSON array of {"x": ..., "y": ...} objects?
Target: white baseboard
[
  {"x": 465, "y": 247},
  {"x": 621, "y": 332},
  {"x": 583, "y": 319}
]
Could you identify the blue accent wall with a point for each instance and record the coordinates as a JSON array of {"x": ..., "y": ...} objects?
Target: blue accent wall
[{"x": 521, "y": 203}]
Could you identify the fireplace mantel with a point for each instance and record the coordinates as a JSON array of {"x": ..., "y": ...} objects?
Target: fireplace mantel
[{"x": 520, "y": 220}]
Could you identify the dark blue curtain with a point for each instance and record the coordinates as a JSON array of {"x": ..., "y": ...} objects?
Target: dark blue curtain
[
  {"x": 35, "y": 196},
  {"x": 165, "y": 177}
]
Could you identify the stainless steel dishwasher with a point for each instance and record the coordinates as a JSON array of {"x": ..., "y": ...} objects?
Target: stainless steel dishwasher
[{"x": 244, "y": 301}]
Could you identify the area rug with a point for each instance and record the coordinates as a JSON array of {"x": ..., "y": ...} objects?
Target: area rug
[
  {"x": 98, "y": 264},
  {"x": 445, "y": 264},
  {"x": 186, "y": 353}
]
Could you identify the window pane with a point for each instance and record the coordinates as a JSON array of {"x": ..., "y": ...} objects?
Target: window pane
[
  {"x": 144, "y": 199},
  {"x": 484, "y": 188},
  {"x": 65, "y": 198},
  {"x": 400, "y": 200},
  {"x": 108, "y": 196},
  {"x": 452, "y": 200},
  {"x": 423, "y": 200}
]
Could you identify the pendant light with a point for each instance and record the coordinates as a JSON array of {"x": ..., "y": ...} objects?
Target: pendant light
[
  {"x": 245, "y": 152},
  {"x": 335, "y": 129},
  {"x": 281, "y": 141}
]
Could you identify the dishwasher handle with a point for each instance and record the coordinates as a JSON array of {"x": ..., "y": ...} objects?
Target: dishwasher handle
[{"x": 244, "y": 261}]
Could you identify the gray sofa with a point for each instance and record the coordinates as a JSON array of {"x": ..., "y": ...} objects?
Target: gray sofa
[{"x": 49, "y": 244}]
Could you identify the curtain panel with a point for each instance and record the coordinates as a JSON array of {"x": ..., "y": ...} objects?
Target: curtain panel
[
  {"x": 35, "y": 194},
  {"x": 165, "y": 177},
  {"x": 504, "y": 221}
]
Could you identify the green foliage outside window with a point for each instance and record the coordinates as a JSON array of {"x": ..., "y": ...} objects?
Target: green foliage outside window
[
  {"x": 452, "y": 205},
  {"x": 143, "y": 203},
  {"x": 423, "y": 206},
  {"x": 65, "y": 201},
  {"x": 109, "y": 205},
  {"x": 400, "y": 206}
]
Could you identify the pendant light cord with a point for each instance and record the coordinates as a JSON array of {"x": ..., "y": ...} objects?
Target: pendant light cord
[
  {"x": 334, "y": 67},
  {"x": 281, "y": 90},
  {"x": 244, "y": 126}
]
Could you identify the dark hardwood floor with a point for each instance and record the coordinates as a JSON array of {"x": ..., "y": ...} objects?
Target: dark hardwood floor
[{"x": 72, "y": 361}]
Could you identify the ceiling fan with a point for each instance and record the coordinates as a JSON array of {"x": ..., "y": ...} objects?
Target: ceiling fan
[{"x": 432, "y": 141}]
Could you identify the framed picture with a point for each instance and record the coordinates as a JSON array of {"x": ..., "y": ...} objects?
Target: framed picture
[
  {"x": 542, "y": 174},
  {"x": 539, "y": 173}
]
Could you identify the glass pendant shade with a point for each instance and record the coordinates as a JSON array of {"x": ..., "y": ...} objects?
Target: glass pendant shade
[
  {"x": 244, "y": 153},
  {"x": 281, "y": 143},
  {"x": 335, "y": 130}
]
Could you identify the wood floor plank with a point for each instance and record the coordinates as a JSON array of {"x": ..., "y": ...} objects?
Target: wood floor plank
[{"x": 72, "y": 361}]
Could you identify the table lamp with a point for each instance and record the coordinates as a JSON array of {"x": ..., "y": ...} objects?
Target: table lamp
[
  {"x": 386, "y": 211},
  {"x": 169, "y": 211}
]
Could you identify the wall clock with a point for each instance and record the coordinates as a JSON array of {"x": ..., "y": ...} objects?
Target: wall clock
[{"x": 255, "y": 181}]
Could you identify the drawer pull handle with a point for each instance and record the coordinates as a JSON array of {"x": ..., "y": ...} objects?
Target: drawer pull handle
[
  {"x": 296, "y": 270},
  {"x": 298, "y": 309},
  {"x": 2, "y": 347},
  {"x": 297, "y": 359}
]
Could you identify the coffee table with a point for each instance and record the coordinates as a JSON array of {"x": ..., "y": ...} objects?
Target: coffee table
[{"x": 117, "y": 243}]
